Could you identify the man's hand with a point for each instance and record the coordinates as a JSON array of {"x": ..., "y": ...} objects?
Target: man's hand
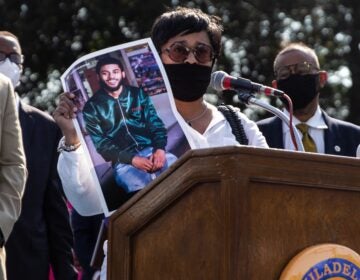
[
  {"x": 63, "y": 115},
  {"x": 158, "y": 158},
  {"x": 142, "y": 163}
]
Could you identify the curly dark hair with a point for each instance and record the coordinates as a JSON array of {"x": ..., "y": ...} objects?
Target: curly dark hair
[
  {"x": 186, "y": 20},
  {"x": 107, "y": 60}
]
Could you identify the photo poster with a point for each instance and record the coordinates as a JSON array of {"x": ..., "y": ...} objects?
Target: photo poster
[{"x": 143, "y": 69}]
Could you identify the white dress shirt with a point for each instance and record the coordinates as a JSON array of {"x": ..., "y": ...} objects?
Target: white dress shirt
[{"x": 317, "y": 128}]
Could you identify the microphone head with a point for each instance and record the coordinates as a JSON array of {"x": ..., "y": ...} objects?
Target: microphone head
[{"x": 217, "y": 79}]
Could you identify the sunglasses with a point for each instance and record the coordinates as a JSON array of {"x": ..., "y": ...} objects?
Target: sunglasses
[
  {"x": 179, "y": 52},
  {"x": 302, "y": 68},
  {"x": 14, "y": 57}
]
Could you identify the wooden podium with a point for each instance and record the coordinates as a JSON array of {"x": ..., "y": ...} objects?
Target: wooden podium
[{"x": 235, "y": 213}]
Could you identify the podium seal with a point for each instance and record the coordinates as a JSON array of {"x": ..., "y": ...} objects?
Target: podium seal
[{"x": 323, "y": 262}]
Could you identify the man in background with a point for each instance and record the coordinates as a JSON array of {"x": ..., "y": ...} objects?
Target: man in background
[
  {"x": 12, "y": 166},
  {"x": 297, "y": 72},
  {"x": 42, "y": 235}
]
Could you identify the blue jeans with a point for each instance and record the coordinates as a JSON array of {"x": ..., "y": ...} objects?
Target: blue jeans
[{"x": 132, "y": 179}]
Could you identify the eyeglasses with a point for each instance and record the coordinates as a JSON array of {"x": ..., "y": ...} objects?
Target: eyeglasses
[
  {"x": 302, "y": 68},
  {"x": 14, "y": 57},
  {"x": 179, "y": 52}
]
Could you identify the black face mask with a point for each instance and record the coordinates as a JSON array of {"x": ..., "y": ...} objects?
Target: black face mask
[
  {"x": 302, "y": 89},
  {"x": 188, "y": 81}
]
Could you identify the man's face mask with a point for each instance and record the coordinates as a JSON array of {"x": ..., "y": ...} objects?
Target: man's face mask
[
  {"x": 302, "y": 89},
  {"x": 11, "y": 70},
  {"x": 188, "y": 81}
]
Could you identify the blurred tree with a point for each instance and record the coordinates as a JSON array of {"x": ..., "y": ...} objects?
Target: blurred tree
[
  {"x": 353, "y": 58},
  {"x": 255, "y": 31},
  {"x": 55, "y": 33}
]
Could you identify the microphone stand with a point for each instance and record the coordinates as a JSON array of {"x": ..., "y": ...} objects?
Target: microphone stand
[{"x": 248, "y": 98}]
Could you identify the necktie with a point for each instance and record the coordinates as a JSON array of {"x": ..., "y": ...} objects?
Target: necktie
[{"x": 308, "y": 142}]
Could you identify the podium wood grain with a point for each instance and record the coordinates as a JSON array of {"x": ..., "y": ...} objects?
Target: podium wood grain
[{"x": 235, "y": 213}]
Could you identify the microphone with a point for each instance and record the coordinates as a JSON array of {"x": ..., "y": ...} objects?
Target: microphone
[{"x": 221, "y": 81}]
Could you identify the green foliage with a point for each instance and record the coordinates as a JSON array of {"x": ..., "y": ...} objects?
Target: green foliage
[{"x": 54, "y": 34}]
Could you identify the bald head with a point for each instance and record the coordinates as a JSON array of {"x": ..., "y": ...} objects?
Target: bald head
[
  {"x": 301, "y": 51},
  {"x": 11, "y": 57},
  {"x": 10, "y": 41}
]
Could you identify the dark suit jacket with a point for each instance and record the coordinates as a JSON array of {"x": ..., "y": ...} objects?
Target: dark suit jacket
[
  {"x": 341, "y": 138},
  {"x": 42, "y": 235}
]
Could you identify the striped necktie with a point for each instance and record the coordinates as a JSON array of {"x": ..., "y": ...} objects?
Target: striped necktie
[{"x": 308, "y": 142}]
